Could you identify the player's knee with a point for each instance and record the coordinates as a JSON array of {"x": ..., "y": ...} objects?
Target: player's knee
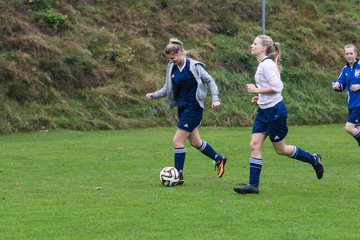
[
  {"x": 280, "y": 150},
  {"x": 177, "y": 143},
  {"x": 254, "y": 146},
  {"x": 349, "y": 128},
  {"x": 195, "y": 144}
]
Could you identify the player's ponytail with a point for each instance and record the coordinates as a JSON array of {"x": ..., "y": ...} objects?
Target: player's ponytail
[
  {"x": 174, "y": 46},
  {"x": 276, "y": 55},
  {"x": 273, "y": 49}
]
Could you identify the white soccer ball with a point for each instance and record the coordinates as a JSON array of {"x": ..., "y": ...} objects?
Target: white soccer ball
[{"x": 169, "y": 176}]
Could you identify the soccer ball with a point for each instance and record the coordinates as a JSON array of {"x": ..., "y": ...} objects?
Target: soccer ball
[{"x": 169, "y": 176}]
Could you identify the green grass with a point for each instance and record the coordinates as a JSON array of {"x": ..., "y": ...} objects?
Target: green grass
[{"x": 49, "y": 182}]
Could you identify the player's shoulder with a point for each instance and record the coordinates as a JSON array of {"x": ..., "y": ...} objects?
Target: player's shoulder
[
  {"x": 196, "y": 62},
  {"x": 268, "y": 64},
  {"x": 267, "y": 61},
  {"x": 357, "y": 64},
  {"x": 345, "y": 68}
]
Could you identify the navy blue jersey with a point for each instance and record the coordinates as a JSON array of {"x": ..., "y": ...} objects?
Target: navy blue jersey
[
  {"x": 348, "y": 77},
  {"x": 184, "y": 84}
]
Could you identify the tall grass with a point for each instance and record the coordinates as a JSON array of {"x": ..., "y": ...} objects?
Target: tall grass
[
  {"x": 107, "y": 45},
  {"x": 105, "y": 185}
]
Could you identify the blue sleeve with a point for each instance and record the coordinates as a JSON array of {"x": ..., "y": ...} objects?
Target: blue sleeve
[{"x": 342, "y": 80}]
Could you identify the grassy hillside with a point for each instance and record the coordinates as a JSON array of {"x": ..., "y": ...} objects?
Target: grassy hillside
[{"x": 87, "y": 64}]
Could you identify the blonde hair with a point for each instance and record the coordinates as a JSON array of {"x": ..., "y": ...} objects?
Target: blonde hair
[
  {"x": 351, "y": 46},
  {"x": 174, "y": 46},
  {"x": 273, "y": 49}
]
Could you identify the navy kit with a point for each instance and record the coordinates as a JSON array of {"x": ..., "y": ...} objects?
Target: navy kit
[
  {"x": 272, "y": 121},
  {"x": 350, "y": 76},
  {"x": 189, "y": 111}
]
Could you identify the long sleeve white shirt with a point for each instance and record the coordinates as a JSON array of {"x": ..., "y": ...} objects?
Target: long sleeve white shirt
[{"x": 268, "y": 76}]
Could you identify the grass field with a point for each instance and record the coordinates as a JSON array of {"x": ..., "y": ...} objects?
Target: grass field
[{"x": 105, "y": 185}]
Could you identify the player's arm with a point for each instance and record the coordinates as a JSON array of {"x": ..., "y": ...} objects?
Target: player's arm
[
  {"x": 275, "y": 84},
  {"x": 339, "y": 84},
  {"x": 161, "y": 92},
  {"x": 251, "y": 88},
  {"x": 210, "y": 82}
]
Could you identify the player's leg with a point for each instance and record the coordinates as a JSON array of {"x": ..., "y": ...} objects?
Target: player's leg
[
  {"x": 258, "y": 136},
  {"x": 257, "y": 140},
  {"x": 354, "y": 131},
  {"x": 352, "y": 125},
  {"x": 256, "y": 160},
  {"x": 277, "y": 133},
  {"x": 357, "y": 135},
  {"x": 185, "y": 127},
  {"x": 205, "y": 148},
  {"x": 351, "y": 128},
  {"x": 179, "y": 149},
  {"x": 294, "y": 152},
  {"x": 301, "y": 155}
]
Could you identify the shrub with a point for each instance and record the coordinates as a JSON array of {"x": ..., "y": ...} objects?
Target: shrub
[
  {"x": 223, "y": 24},
  {"x": 118, "y": 54},
  {"x": 38, "y": 5},
  {"x": 53, "y": 19},
  {"x": 232, "y": 54}
]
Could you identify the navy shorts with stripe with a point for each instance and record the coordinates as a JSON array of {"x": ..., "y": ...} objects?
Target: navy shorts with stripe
[
  {"x": 354, "y": 116},
  {"x": 190, "y": 116},
  {"x": 272, "y": 121}
]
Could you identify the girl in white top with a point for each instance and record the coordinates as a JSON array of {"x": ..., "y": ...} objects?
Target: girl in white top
[
  {"x": 267, "y": 77},
  {"x": 271, "y": 117}
]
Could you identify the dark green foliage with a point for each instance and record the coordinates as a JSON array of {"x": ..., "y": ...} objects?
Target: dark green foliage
[
  {"x": 39, "y": 5},
  {"x": 225, "y": 18},
  {"x": 232, "y": 54},
  {"x": 19, "y": 90},
  {"x": 53, "y": 19},
  {"x": 224, "y": 25},
  {"x": 163, "y": 3},
  {"x": 74, "y": 72},
  {"x": 98, "y": 43},
  {"x": 118, "y": 55}
]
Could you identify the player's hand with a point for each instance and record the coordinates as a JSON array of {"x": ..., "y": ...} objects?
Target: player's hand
[
  {"x": 215, "y": 104},
  {"x": 251, "y": 88},
  {"x": 336, "y": 86},
  {"x": 355, "y": 87},
  {"x": 254, "y": 100},
  {"x": 149, "y": 96}
]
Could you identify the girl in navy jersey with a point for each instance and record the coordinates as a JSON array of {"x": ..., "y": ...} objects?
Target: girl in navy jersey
[
  {"x": 271, "y": 117},
  {"x": 185, "y": 87},
  {"x": 350, "y": 79}
]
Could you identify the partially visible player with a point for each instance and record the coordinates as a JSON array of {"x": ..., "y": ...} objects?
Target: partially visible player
[
  {"x": 271, "y": 117},
  {"x": 350, "y": 79},
  {"x": 185, "y": 87}
]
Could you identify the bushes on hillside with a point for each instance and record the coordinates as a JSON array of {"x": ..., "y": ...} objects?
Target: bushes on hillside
[{"x": 53, "y": 19}]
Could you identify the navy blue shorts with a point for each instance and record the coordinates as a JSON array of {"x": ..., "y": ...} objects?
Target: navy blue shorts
[
  {"x": 354, "y": 116},
  {"x": 190, "y": 116},
  {"x": 272, "y": 121}
]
